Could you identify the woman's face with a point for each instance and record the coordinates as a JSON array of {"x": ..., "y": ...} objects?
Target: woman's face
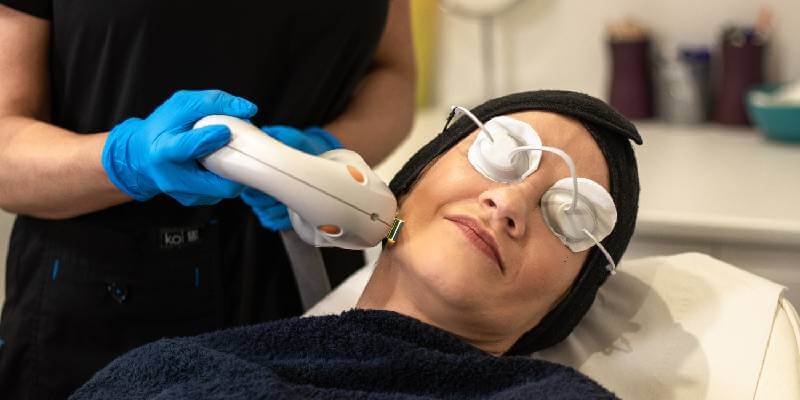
[{"x": 465, "y": 286}]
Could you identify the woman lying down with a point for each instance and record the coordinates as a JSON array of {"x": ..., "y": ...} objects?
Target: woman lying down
[{"x": 495, "y": 261}]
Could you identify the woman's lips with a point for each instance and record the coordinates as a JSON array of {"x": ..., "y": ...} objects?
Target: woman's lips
[{"x": 478, "y": 236}]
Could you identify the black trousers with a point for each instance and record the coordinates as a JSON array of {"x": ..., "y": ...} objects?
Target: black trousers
[{"x": 80, "y": 295}]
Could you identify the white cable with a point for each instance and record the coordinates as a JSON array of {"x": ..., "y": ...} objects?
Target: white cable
[
  {"x": 564, "y": 156},
  {"x": 611, "y": 267},
  {"x": 462, "y": 110}
]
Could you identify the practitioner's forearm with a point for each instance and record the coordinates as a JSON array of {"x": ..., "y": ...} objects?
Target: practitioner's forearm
[
  {"x": 381, "y": 111},
  {"x": 52, "y": 173}
]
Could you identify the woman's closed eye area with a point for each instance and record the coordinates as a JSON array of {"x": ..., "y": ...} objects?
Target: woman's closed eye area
[{"x": 577, "y": 210}]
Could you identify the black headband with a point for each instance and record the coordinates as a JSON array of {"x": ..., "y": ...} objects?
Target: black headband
[{"x": 612, "y": 132}]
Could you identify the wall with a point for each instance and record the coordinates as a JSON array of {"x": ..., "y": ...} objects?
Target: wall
[{"x": 560, "y": 43}]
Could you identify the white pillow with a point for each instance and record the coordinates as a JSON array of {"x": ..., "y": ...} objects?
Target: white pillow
[{"x": 685, "y": 326}]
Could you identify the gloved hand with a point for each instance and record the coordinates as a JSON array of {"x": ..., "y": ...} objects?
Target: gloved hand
[
  {"x": 145, "y": 157},
  {"x": 272, "y": 213}
]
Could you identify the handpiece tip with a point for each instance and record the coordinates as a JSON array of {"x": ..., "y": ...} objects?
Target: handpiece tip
[{"x": 391, "y": 237}]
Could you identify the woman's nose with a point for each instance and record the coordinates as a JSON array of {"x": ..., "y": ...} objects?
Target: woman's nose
[{"x": 506, "y": 208}]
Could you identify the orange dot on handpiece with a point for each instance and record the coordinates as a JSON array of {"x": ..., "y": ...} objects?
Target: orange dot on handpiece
[
  {"x": 330, "y": 229},
  {"x": 356, "y": 174}
]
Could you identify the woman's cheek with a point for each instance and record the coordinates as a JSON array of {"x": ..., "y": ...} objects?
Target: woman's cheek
[
  {"x": 547, "y": 281},
  {"x": 462, "y": 185}
]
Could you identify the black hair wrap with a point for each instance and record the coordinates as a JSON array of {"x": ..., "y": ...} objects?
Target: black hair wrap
[{"x": 612, "y": 133}]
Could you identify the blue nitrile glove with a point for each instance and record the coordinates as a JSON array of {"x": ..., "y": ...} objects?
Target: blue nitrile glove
[
  {"x": 145, "y": 157},
  {"x": 314, "y": 140}
]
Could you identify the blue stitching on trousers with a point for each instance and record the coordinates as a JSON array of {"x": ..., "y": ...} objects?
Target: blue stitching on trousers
[
  {"x": 55, "y": 269},
  {"x": 196, "y": 277}
]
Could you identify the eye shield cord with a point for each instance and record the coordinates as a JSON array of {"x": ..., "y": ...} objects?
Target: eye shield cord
[
  {"x": 464, "y": 111},
  {"x": 611, "y": 267},
  {"x": 564, "y": 156}
]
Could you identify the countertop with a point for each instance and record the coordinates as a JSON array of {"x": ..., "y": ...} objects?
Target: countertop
[{"x": 718, "y": 183}]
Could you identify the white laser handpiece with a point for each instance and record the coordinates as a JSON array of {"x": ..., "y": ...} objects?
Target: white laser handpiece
[{"x": 334, "y": 199}]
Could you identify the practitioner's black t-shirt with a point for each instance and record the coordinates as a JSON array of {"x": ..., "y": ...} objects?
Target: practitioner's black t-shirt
[
  {"x": 85, "y": 290},
  {"x": 299, "y": 61}
]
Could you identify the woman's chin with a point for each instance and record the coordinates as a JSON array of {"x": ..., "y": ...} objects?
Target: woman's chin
[
  {"x": 445, "y": 267},
  {"x": 455, "y": 283}
]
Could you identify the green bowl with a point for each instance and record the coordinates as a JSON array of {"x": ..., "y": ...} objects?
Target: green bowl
[{"x": 778, "y": 122}]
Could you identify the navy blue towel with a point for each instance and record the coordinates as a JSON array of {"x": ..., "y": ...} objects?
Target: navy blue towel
[{"x": 356, "y": 355}]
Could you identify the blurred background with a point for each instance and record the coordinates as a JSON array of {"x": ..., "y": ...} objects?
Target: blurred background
[
  {"x": 720, "y": 167},
  {"x": 564, "y": 43}
]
